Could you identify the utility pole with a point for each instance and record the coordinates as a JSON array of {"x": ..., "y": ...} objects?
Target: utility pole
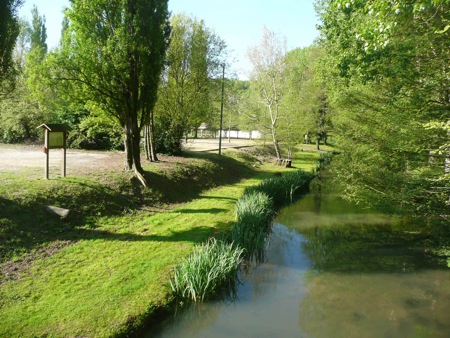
[{"x": 221, "y": 110}]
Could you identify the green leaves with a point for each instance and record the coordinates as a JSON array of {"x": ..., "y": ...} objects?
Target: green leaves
[
  {"x": 391, "y": 104},
  {"x": 184, "y": 98}
]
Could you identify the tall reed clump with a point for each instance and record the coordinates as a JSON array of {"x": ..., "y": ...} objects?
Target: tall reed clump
[
  {"x": 212, "y": 267},
  {"x": 256, "y": 209},
  {"x": 254, "y": 214},
  {"x": 286, "y": 188}
]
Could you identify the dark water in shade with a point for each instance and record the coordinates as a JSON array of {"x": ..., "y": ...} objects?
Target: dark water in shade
[{"x": 331, "y": 270}]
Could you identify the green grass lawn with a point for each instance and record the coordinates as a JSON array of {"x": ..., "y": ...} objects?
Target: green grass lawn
[{"x": 106, "y": 269}]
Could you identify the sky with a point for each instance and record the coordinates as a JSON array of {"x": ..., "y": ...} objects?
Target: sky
[{"x": 238, "y": 22}]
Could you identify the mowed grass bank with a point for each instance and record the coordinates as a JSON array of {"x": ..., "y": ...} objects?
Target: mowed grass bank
[{"x": 107, "y": 269}]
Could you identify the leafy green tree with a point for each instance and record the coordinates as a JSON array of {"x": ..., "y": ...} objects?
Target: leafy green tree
[
  {"x": 20, "y": 115},
  {"x": 112, "y": 56},
  {"x": 267, "y": 78},
  {"x": 390, "y": 74},
  {"x": 38, "y": 32},
  {"x": 24, "y": 108},
  {"x": 193, "y": 59},
  {"x": 9, "y": 30},
  {"x": 305, "y": 100}
]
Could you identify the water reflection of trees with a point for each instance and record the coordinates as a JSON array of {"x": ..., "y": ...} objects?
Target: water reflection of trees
[{"x": 365, "y": 248}]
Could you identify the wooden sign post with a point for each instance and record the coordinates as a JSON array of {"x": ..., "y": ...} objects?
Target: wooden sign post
[{"x": 55, "y": 138}]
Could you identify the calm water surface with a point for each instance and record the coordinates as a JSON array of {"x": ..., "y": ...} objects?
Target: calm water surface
[{"x": 330, "y": 270}]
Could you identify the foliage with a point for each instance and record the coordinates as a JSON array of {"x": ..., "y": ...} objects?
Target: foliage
[
  {"x": 254, "y": 214},
  {"x": 9, "y": 30},
  {"x": 305, "y": 102},
  {"x": 210, "y": 269},
  {"x": 388, "y": 65},
  {"x": 38, "y": 32},
  {"x": 96, "y": 132},
  {"x": 267, "y": 78},
  {"x": 184, "y": 102},
  {"x": 20, "y": 115},
  {"x": 112, "y": 56}
]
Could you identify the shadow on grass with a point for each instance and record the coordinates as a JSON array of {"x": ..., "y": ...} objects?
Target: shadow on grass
[
  {"x": 25, "y": 224},
  {"x": 201, "y": 211},
  {"x": 197, "y": 234}
]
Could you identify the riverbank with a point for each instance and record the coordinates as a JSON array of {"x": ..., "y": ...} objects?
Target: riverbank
[{"x": 105, "y": 269}]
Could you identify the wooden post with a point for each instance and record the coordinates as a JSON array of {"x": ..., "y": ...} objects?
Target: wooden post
[
  {"x": 64, "y": 156},
  {"x": 47, "y": 151}
]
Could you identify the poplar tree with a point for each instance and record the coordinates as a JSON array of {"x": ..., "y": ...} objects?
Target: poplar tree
[
  {"x": 111, "y": 57},
  {"x": 9, "y": 30},
  {"x": 184, "y": 102}
]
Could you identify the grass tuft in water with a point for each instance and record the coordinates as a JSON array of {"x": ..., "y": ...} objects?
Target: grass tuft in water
[
  {"x": 254, "y": 213},
  {"x": 212, "y": 267},
  {"x": 286, "y": 188}
]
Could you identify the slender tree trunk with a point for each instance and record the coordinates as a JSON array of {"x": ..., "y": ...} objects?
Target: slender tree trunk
[
  {"x": 147, "y": 143},
  {"x": 276, "y": 145},
  {"x": 151, "y": 132}
]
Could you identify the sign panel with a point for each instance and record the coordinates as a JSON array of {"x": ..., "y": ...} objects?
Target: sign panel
[{"x": 55, "y": 139}]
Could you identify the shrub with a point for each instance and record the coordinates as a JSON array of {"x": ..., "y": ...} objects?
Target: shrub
[
  {"x": 212, "y": 267},
  {"x": 96, "y": 133}
]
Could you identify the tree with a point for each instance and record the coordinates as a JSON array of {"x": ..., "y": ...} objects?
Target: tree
[
  {"x": 193, "y": 59},
  {"x": 112, "y": 56},
  {"x": 305, "y": 100},
  {"x": 38, "y": 32},
  {"x": 9, "y": 30},
  {"x": 24, "y": 108},
  {"x": 392, "y": 102},
  {"x": 268, "y": 77}
]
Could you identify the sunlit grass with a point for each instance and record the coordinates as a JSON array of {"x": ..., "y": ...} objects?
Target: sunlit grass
[{"x": 122, "y": 243}]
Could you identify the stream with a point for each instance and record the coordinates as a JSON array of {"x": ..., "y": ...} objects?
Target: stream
[{"x": 330, "y": 270}]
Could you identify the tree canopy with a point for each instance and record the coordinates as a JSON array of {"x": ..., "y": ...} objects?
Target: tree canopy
[
  {"x": 9, "y": 30},
  {"x": 389, "y": 70},
  {"x": 112, "y": 55}
]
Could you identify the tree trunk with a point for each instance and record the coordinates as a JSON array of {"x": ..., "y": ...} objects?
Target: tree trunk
[
  {"x": 136, "y": 153},
  {"x": 149, "y": 143},
  {"x": 128, "y": 165},
  {"x": 132, "y": 149},
  {"x": 275, "y": 143}
]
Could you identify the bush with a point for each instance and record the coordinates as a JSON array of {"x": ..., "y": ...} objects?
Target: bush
[
  {"x": 212, "y": 267},
  {"x": 96, "y": 133}
]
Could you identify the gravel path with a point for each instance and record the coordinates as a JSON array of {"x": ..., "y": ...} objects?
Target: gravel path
[{"x": 14, "y": 157}]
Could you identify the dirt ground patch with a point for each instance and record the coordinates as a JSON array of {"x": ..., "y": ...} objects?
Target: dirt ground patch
[
  {"x": 15, "y": 157},
  {"x": 19, "y": 157}
]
